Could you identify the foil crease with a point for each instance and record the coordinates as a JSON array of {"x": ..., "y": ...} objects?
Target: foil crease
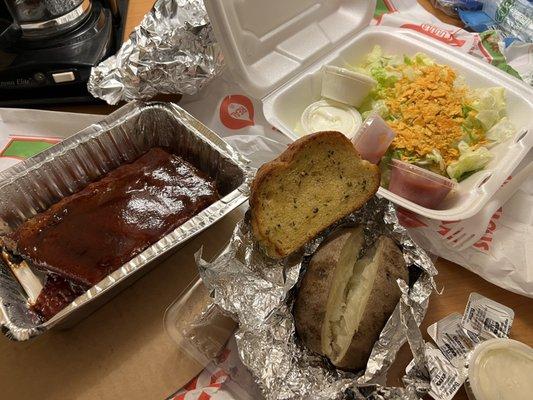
[
  {"x": 33, "y": 185},
  {"x": 172, "y": 51},
  {"x": 258, "y": 292}
]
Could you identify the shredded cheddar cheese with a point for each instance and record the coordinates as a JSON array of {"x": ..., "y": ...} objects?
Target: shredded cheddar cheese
[{"x": 427, "y": 112}]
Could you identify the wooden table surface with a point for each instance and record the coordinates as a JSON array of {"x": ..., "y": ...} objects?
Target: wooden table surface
[{"x": 122, "y": 350}]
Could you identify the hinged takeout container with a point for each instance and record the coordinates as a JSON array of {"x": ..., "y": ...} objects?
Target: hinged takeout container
[
  {"x": 276, "y": 49},
  {"x": 33, "y": 185}
]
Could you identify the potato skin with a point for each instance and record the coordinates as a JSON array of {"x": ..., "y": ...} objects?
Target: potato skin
[
  {"x": 310, "y": 307},
  {"x": 383, "y": 299}
]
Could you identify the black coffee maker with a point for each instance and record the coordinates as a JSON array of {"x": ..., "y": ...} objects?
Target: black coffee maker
[{"x": 48, "y": 47}]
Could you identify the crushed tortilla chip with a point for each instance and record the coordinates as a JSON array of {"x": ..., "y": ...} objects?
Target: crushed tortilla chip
[{"x": 427, "y": 112}]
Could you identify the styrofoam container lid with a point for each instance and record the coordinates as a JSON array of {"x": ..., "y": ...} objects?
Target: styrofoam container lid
[{"x": 266, "y": 43}]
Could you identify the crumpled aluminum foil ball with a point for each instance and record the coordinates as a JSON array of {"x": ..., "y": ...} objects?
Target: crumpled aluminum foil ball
[{"x": 172, "y": 51}]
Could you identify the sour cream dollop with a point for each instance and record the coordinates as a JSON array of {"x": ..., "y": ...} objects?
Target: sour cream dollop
[{"x": 327, "y": 115}]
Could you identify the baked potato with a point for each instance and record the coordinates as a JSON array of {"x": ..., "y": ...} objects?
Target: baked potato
[{"x": 345, "y": 300}]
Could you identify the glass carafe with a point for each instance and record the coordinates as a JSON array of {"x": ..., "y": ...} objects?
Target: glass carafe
[{"x": 44, "y": 17}]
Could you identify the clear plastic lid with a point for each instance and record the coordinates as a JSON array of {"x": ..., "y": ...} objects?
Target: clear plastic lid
[
  {"x": 419, "y": 185},
  {"x": 197, "y": 326},
  {"x": 373, "y": 139},
  {"x": 205, "y": 335}
]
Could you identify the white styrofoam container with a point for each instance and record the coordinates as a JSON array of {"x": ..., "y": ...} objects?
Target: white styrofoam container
[{"x": 275, "y": 49}]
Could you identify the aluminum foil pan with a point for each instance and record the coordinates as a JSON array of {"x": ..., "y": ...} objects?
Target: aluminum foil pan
[
  {"x": 258, "y": 292},
  {"x": 33, "y": 185},
  {"x": 174, "y": 50}
]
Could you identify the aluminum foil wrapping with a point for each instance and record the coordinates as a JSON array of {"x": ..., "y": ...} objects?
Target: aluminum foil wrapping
[
  {"x": 173, "y": 50},
  {"x": 31, "y": 186},
  {"x": 257, "y": 292}
]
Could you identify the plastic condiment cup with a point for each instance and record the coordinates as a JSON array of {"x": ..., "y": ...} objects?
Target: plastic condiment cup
[
  {"x": 345, "y": 86},
  {"x": 501, "y": 369},
  {"x": 373, "y": 138},
  {"x": 419, "y": 185}
]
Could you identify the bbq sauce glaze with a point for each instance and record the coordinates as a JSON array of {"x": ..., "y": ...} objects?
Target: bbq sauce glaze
[
  {"x": 57, "y": 293},
  {"x": 88, "y": 235}
]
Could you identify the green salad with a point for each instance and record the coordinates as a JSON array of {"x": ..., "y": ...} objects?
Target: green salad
[{"x": 441, "y": 124}]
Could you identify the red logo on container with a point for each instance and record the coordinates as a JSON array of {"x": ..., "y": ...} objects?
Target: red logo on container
[
  {"x": 436, "y": 33},
  {"x": 237, "y": 112}
]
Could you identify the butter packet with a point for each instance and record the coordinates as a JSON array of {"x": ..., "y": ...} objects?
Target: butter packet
[
  {"x": 445, "y": 379},
  {"x": 456, "y": 336},
  {"x": 486, "y": 319},
  {"x": 450, "y": 338}
]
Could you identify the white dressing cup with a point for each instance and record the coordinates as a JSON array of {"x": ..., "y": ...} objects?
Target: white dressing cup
[{"x": 345, "y": 86}]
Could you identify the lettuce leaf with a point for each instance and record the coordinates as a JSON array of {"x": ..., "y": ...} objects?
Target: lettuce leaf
[
  {"x": 501, "y": 131},
  {"x": 437, "y": 159},
  {"x": 423, "y": 59},
  {"x": 384, "y": 77},
  {"x": 469, "y": 161},
  {"x": 375, "y": 65},
  {"x": 491, "y": 110},
  {"x": 375, "y": 106},
  {"x": 490, "y": 104},
  {"x": 375, "y": 55},
  {"x": 488, "y": 118}
]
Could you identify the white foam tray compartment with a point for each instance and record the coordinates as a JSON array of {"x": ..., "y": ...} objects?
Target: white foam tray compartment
[{"x": 284, "y": 106}]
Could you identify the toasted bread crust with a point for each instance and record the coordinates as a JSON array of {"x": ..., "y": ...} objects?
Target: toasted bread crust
[{"x": 284, "y": 162}]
